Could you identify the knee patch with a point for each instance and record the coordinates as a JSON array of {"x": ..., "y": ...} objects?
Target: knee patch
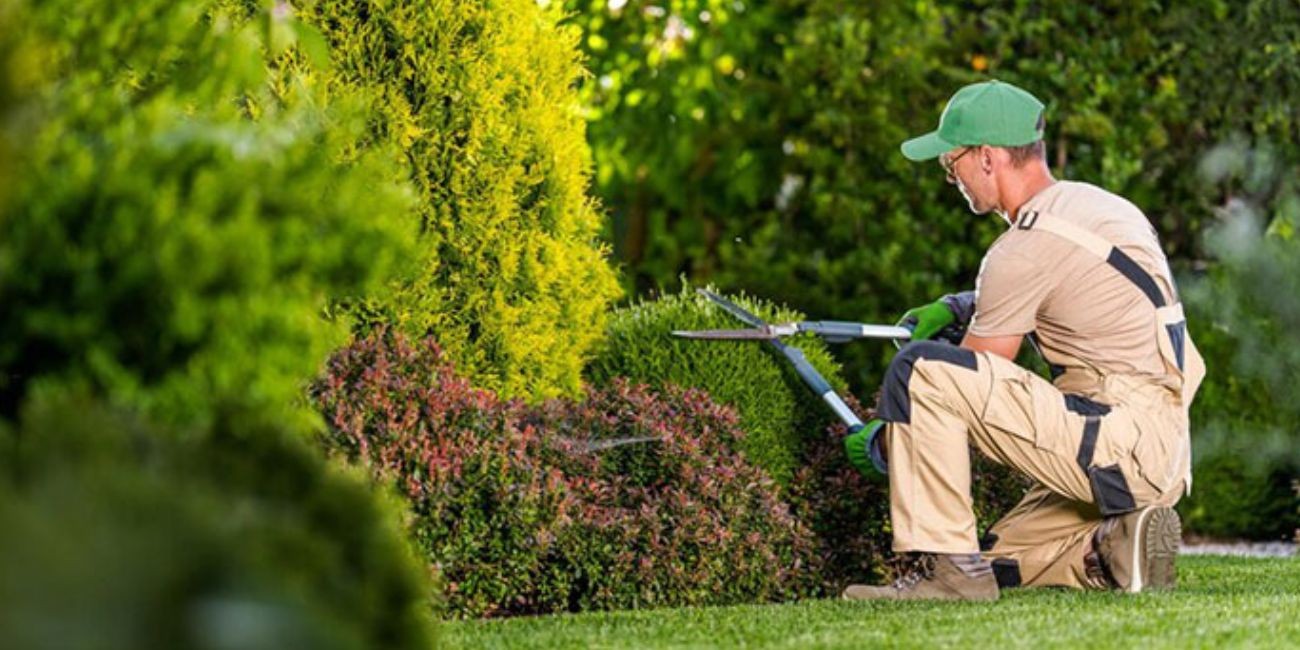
[
  {"x": 895, "y": 402},
  {"x": 1007, "y": 573},
  {"x": 988, "y": 541}
]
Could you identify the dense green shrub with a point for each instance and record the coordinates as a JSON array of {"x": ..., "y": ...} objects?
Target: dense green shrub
[
  {"x": 775, "y": 407},
  {"x": 117, "y": 535},
  {"x": 477, "y": 98},
  {"x": 163, "y": 249},
  {"x": 519, "y": 515},
  {"x": 1236, "y": 495}
]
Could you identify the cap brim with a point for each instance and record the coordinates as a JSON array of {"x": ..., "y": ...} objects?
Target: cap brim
[{"x": 926, "y": 147}]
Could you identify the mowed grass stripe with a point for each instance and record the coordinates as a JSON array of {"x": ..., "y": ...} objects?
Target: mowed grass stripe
[{"x": 1238, "y": 602}]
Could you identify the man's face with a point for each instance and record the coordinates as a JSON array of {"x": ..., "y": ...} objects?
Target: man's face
[{"x": 962, "y": 166}]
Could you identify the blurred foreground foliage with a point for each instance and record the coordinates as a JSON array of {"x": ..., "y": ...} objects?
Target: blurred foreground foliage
[
  {"x": 1248, "y": 450},
  {"x": 118, "y": 535},
  {"x": 168, "y": 252}
]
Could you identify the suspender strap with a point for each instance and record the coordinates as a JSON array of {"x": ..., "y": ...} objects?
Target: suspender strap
[
  {"x": 1137, "y": 275},
  {"x": 1170, "y": 315},
  {"x": 1099, "y": 247}
]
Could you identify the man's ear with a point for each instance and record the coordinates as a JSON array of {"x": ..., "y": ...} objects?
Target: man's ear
[{"x": 986, "y": 154}]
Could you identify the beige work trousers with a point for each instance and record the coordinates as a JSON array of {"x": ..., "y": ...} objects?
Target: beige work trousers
[{"x": 938, "y": 399}]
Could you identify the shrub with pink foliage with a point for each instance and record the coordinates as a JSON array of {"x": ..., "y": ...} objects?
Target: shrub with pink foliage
[{"x": 519, "y": 517}]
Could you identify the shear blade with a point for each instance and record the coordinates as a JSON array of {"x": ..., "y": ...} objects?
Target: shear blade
[{"x": 739, "y": 335}]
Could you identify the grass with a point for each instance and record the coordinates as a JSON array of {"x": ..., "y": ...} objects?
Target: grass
[{"x": 1237, "y": 602}]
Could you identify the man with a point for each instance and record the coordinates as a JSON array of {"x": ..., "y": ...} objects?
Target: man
[{"x": 1080, "y": 271}]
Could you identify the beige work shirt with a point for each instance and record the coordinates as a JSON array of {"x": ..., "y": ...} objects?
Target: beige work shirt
[{"x": 1087, "y": 316}]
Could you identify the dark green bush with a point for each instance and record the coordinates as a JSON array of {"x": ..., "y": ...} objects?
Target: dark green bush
[
  {"x": 164, "y": 249},
  {"x": 756, "y": 145},
  {"x": 117, "y": 535},
  {"x": 520, "y": 518},
  {"x": 477, "y": 99},
  {"x": 774, "y": 405},
  {"x": 1235, "y": 496}
]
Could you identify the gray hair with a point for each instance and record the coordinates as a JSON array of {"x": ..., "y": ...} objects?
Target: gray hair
[{"x": 1026, "y": 152}]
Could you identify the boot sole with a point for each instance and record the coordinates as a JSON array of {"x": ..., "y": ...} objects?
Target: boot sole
[{"x": 1156, "y": 550}]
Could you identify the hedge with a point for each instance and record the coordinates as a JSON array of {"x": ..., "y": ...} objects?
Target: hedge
[{"x": 775, "y": 407}]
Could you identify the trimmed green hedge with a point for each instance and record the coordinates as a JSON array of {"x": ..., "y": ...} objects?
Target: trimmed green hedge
[{"x": 775, "y": 407}]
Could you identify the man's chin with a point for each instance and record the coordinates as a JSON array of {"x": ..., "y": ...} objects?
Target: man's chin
[
  {"x": 971, "y": 203},
  {"x": 978, "y": 209}
]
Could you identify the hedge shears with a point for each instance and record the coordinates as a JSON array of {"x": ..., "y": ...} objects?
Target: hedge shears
[{"x": 831, "y": 331}]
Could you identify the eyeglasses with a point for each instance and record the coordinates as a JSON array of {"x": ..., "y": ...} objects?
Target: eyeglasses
[{"x": 950, "y": 165}]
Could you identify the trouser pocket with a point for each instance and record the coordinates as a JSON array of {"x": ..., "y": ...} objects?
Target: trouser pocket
[{"x": 1028, "y": 407}]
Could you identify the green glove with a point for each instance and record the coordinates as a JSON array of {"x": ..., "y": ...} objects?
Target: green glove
[
  {"x": 865, "y": 451},
  {"x": 928, "y": 320}
]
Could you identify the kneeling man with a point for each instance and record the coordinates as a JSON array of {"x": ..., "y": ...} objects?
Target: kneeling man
[{"x": 1079, "y": 271}]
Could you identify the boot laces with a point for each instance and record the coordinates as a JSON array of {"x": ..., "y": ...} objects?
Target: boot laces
[{"x": 909, "y": 571}]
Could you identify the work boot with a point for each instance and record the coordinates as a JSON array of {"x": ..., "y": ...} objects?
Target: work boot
[
  {"x": 930, "y": 576},
  {"x": 1137, "y": 550}
]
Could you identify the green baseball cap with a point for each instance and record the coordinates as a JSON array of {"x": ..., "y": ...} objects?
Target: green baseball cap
[{"x": 991, "y": 112}]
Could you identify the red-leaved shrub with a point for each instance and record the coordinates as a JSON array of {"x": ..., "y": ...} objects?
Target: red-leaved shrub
[
  {"x": 520, "y": 515},
  {"x": 848, "y": 513}
]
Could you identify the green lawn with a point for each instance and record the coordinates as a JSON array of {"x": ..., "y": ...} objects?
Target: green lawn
[{"x": 1220, "y": 602}]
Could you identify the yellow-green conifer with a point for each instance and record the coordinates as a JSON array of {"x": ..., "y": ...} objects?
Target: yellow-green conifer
[{"x": 479, "y": 97}]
